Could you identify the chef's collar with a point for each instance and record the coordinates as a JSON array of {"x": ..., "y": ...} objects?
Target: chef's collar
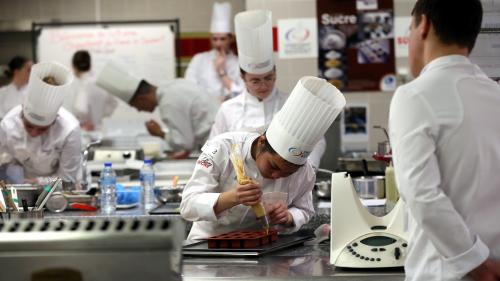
[
  {"x": 445, "y": 60},
  {"x": 253, "y": 171}
]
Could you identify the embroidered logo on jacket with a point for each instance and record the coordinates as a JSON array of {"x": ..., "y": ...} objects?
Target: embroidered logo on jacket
[{"x": 205, "y": 162}]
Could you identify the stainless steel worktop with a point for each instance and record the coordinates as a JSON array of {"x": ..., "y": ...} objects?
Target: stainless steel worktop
[{"x": 299, "y": 263}]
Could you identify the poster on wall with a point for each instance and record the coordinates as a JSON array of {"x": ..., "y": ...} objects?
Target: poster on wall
[
  {"x": 356, "y": 44},
  {"x": 354, "y": 127},
  {"x": 297, "y": 38}
]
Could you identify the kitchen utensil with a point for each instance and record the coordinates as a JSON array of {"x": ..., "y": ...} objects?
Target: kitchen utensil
[
  {"x": 370, "y": 187},
  {"x": 321, "y": 234},
  {"x": 323, "y": 183},
  {"x": 360, "y": 239},
  {"x": 166, "y": 194},
  {"x": 45, "y": 195}
]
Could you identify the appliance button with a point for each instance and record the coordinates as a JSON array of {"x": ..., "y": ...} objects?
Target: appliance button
[
  {"x": 382, "y": 249},
  {"x": 374, "y": 250},
  {"x": 355, "y": 244},
  {"x": 372, "y": 259},
  {"x": 367, "y": 259},
  {"x": 378, "y": 259},
  {"x": 357, "y": 255},
  {"x": 405, "y": 245},
  {"x": 397, "y": 253}
]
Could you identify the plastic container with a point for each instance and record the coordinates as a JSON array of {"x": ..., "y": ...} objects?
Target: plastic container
[
  {"x": 108, "y": 189},
  {"x": 147, "y": 178}
]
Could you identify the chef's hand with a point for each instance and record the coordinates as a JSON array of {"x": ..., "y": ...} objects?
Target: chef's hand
[
  {"x": 248, "y": 194},
  {"x": 489, "y": 270},
  {"x": 87, "y": 126},
  {"x": 154, "y": 129},
  {"x": 279, "y": 214},
  {"x": 220, "y": 62}
]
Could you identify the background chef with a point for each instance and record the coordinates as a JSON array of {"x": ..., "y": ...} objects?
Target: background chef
[
  {"x": 40, "y": 136},
  {"x": 184, "y": 107},
  {"x": 14, "y": 93},
  {"x": 276, "y": 161},
  {"x": 254, "y": 109},
  {"x": 217, "y": 70}
]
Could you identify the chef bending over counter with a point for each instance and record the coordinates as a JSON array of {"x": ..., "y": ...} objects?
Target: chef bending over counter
[
  {"x": 39, "y": 139},
  {"x": 275, "y": 161},
  {"x": 184, "y": 107}
]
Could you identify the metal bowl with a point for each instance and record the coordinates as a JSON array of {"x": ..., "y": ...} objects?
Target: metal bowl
[{"x": 166, "y": 194}]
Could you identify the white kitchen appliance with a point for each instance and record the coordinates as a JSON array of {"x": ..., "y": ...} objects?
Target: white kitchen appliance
[{"x": 360, "y": 239}]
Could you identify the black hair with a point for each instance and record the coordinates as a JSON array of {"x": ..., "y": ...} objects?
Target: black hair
[
  {"x": 15, "y": 63},
  {"x": 455, "y": 22},
  {"x": 81, "y": 60},
  {"x": 143, "y": 89}
]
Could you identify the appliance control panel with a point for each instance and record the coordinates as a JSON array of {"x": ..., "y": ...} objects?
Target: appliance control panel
[{"x": 374, "y": 250}]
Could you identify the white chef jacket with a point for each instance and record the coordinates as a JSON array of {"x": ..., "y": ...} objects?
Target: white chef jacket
[
  {"x": 246, "y": 113},
  {"x": 214, "y": 174},
  {"x": 201, "y": 70},
  {"x": 55, "y": 153},
  {"x": 445, "y": 136},
  {"x": 88, "y": 102},
  {"x": 10, "y": 97},
  {"x": 187, "y": 111}
]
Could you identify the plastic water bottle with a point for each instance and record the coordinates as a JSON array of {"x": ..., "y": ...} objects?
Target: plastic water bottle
[
  {"x": 108, "y": 189},
  {"x": 148, "y": 185}
]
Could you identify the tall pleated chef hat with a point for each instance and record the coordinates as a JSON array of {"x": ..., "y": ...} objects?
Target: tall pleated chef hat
[
  {"x": 305, "y": 117},
  {"x": 254, "y": 38},
  {"x": 43, "y": 100},
  {"x": 221, "y": 18},
  {"x": 117, "y": 81}
]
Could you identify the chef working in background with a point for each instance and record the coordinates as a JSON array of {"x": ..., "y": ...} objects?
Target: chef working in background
[
  {"x": 276, "y": 161},
  {"x": 184, "y": 107},
  {"x": 88, "y": 102},
  {"x": 13, "y": 94},
  {"x": 254, "y": 109},
  {"x": 39, "y": 136},
  {"x": 217, "y": 70}
]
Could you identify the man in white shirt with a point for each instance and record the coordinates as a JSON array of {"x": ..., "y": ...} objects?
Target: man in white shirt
[
  {"x": 217, "y": 70},
  {"x": 14, "y": 93},
  {"x": 446, "y": 147},
  {"x": 184, "y": 107},
  {"x": 40, "y": 136},
  {"x": 275, "y": 161},
  {"x": 254, "y": 109}
]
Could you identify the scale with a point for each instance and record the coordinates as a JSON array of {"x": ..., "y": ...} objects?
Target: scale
[{"x": 360, "y": 239}]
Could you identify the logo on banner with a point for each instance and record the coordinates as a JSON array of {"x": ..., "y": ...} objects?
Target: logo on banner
[{"x": 297, "y": 34}]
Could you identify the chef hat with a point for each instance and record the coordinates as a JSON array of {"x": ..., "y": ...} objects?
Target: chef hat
[
  {"x": 114, "y": 79},
  {"x": 308, "y": 112},
  {"x": 221, "y": 18},
  {"x": 254, "y": 38},
  {"x": 43, "y": 100}
]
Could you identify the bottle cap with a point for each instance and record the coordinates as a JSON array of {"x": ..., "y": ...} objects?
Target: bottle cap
[
  {"x": 148, "y": 161},
  {"x": 108, "y": 164}
]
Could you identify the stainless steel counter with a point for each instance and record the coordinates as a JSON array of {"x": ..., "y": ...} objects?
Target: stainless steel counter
[{"x": 300, "y": 263}]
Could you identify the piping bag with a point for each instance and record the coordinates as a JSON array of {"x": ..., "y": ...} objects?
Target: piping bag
[{"x": 241, "y": 177}]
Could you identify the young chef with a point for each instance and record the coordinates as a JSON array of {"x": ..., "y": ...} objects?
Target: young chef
[
  {"x": 254, "y": 109},
  {"x": 184, "y": 107},
  {"x": 40, "y": 136},
  {"x": 14, "y": 93},
  {"x": 217, "y": 70},
  {"x": 276, "y": 161},
  {"x": 88, "y": 102},
  {"x": 446, "y": 148}
]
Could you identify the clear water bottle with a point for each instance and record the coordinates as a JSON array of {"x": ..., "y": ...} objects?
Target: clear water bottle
[
  {"x": 148, "y": 185},
  {"x": 108, "y": 189}
]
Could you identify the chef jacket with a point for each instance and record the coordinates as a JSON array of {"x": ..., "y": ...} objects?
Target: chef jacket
[
  {"x": 55, "y": 153},
  {"x": 246, "y": 113},
  {"x": 201, "y": 70},
  {"x": 187, "y": 111},
  {"x": 10, "y": 97},
  {"x": 445, "y": 136},
  {"x": 214, "y": 174}
]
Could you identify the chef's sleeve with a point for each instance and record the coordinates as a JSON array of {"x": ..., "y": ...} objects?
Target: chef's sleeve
[
  {"x": 301, "y": 207},
  {"x": 202, "y": 190},
  {"x": 413, "y": 133},
  {"x": 71, "y": 158}
]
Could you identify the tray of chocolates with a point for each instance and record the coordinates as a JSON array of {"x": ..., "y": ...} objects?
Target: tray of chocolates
[
  {"x": 249, "y": 239},
  {"x": 243, "y": 244}
]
